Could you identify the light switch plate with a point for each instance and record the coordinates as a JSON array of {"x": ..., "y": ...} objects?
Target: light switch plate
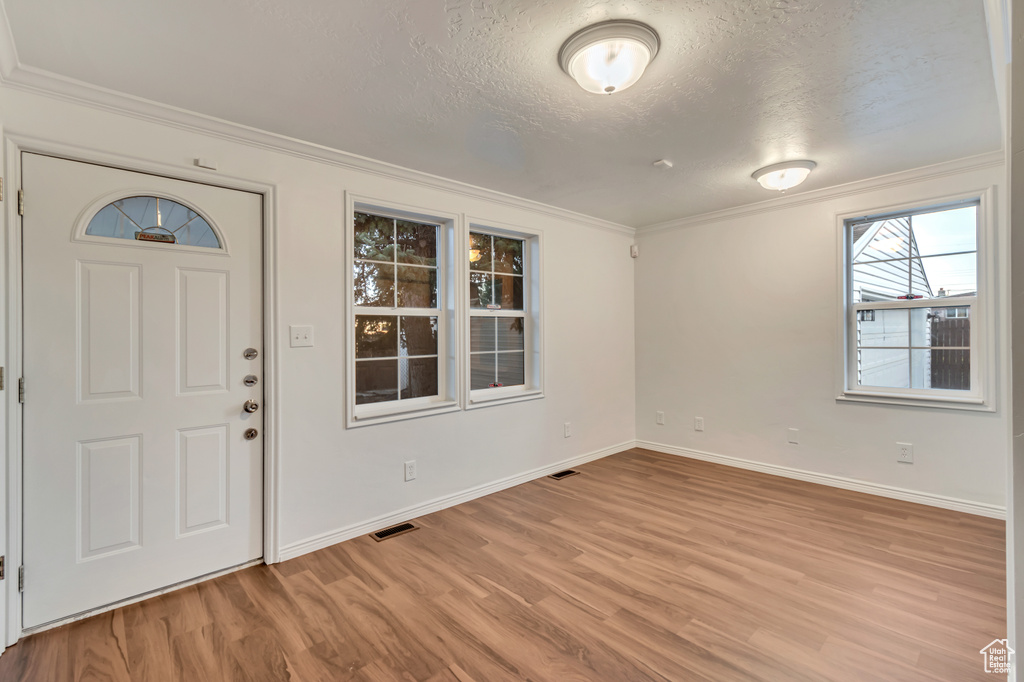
[{"x": 301, "y": 335}]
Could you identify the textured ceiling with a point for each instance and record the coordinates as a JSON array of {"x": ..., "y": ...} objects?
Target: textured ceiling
[{"x": 471, "y": 89}]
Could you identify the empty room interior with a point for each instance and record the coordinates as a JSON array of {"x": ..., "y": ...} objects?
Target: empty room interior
[{"x": 471, "y": 340}]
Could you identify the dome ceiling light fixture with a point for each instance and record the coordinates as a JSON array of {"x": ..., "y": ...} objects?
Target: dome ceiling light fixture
[
  {"x": 785, "y": 175},
  {"x": 610, "y": 56}
]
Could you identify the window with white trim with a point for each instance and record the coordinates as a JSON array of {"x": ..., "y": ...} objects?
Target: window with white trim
[
  {"x": 913, "y": 303},
  {"x": 504, "y": 322},
  {"x": 401, "y": 340}
]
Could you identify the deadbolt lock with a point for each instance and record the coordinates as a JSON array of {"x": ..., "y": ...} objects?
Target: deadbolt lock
[
  {"x": 250, "y": 380},
  {"x": 251, "y": 434},
  {"x": 250, "y": 406},
  {"x": 250, "y": 353}
]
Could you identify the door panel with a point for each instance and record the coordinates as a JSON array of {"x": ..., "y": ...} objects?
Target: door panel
[
  {"x": 136, "y": 471},
  {"x": 108, "y": 330},
  {"x": 108, "y": 485},
  {"x": 202, "y": 478},
  {"x": 202, "y": 330}
]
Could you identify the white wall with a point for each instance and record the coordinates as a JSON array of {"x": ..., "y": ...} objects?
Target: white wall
[
  {"x": 332, "y": 478},
  {"x": 737, "y": 323}
]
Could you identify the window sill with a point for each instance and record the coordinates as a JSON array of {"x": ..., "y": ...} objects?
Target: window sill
[
  {"x": 940, "y": 402},
  {"x": 484, "y": 399},
  {"x": 382, "y": 413}
]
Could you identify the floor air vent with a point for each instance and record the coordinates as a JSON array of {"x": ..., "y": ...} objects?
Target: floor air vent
[
  {"x": 563, "y": 474},
  {"x": 393, "y": 531}
]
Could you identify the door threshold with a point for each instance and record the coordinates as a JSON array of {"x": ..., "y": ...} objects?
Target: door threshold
[{"x": 25, "y": 632}]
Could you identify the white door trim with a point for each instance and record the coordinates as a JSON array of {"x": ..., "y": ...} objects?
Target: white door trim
[{"x": 11, "y": 357}]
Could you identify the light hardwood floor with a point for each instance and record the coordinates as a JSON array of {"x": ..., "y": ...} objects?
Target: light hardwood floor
[{"x": 645, "y": 567}]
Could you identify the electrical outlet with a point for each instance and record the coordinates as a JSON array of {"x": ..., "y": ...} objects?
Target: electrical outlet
[
  {"x": 301, "y": 336},
  {"x": 905, "y": 453},
  {"x": 567, "y": 428},
  {"x": 410, "y": 470},
  {"x": 698, "y": 423},
  {"x": 794, "y": 436},
  {"x": 659, "y": 417}
]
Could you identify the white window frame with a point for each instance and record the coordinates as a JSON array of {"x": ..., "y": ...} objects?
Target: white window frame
[
  {"x": 447, "y": 398},
  {"x": 983, "y": 333},
  {"x": 533, "y": 297}
]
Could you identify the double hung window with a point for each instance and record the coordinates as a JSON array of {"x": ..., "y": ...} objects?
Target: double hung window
[
  {"x": 399, "y": 315},
  {"x": 914, "y": 304},
  {"x": 504, "y": 321},
  {"x": 405, "y": 314},
  {"x": 497, "y": 342}
]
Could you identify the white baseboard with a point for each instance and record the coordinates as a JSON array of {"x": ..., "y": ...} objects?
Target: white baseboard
[
  {"x": 930, "y": 499},
  {"x": 333, "y": 537}
]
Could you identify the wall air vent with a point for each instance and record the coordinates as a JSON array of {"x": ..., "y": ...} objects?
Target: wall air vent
[
  {"x": 563, "y": 474},
  {"x": 393, "y": 531}
]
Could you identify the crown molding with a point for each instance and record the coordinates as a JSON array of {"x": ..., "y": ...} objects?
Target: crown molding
[
  {"x": 17, "y": 76},
  {"x": 939, "y": 170}
]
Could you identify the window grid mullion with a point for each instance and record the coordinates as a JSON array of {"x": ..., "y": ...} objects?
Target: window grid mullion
[
  {"x": 398, "y": 374},
  {"x": 899, "y": 258},
  {"x": 910, "y": 352},
  {"x": 911, "y": 347},
  {"x": 409, "y": 312},
  {"x": 404, "y": 265},
  {"x": 495, "y": 324},
  {"x": 394, "y": 262},
  {"x": 910, "y": 259}
]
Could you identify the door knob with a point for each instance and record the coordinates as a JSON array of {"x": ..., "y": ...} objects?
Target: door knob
[{"x": 250, "y": 406}]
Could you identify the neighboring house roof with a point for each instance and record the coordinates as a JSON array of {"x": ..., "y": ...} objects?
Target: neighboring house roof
[{"x": 880, "y": 250}]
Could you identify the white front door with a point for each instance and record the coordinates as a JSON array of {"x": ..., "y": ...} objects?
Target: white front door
[{"x": 141, "y": 467}]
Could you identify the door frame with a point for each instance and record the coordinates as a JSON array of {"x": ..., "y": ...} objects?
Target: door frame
[{"x": 11, "y": 442}]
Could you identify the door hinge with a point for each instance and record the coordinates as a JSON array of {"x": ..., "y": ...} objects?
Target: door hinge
[
  {"x": 2, "y": 567},
  {"x": 21, "y": 202},
  {"x": 21, "y": 578},
  {"x": 1, "y": 378},
  {"x": 21, "y": 390},
  {"x": 1, "y": 189}
]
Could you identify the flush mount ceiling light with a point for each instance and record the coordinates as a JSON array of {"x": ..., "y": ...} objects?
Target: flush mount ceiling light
[
  {"x": 610, "y": 56},
  {"x": 782, "y": 176}
]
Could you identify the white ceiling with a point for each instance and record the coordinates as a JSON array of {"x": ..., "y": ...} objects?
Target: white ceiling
[{"x": 471, "y": 89}]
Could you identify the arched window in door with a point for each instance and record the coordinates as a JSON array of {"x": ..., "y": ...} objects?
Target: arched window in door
[{"x": 153, "y": 219}]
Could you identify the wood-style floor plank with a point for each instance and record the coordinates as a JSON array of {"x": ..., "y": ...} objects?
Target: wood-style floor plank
[{"x": 646, "y": 567}]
